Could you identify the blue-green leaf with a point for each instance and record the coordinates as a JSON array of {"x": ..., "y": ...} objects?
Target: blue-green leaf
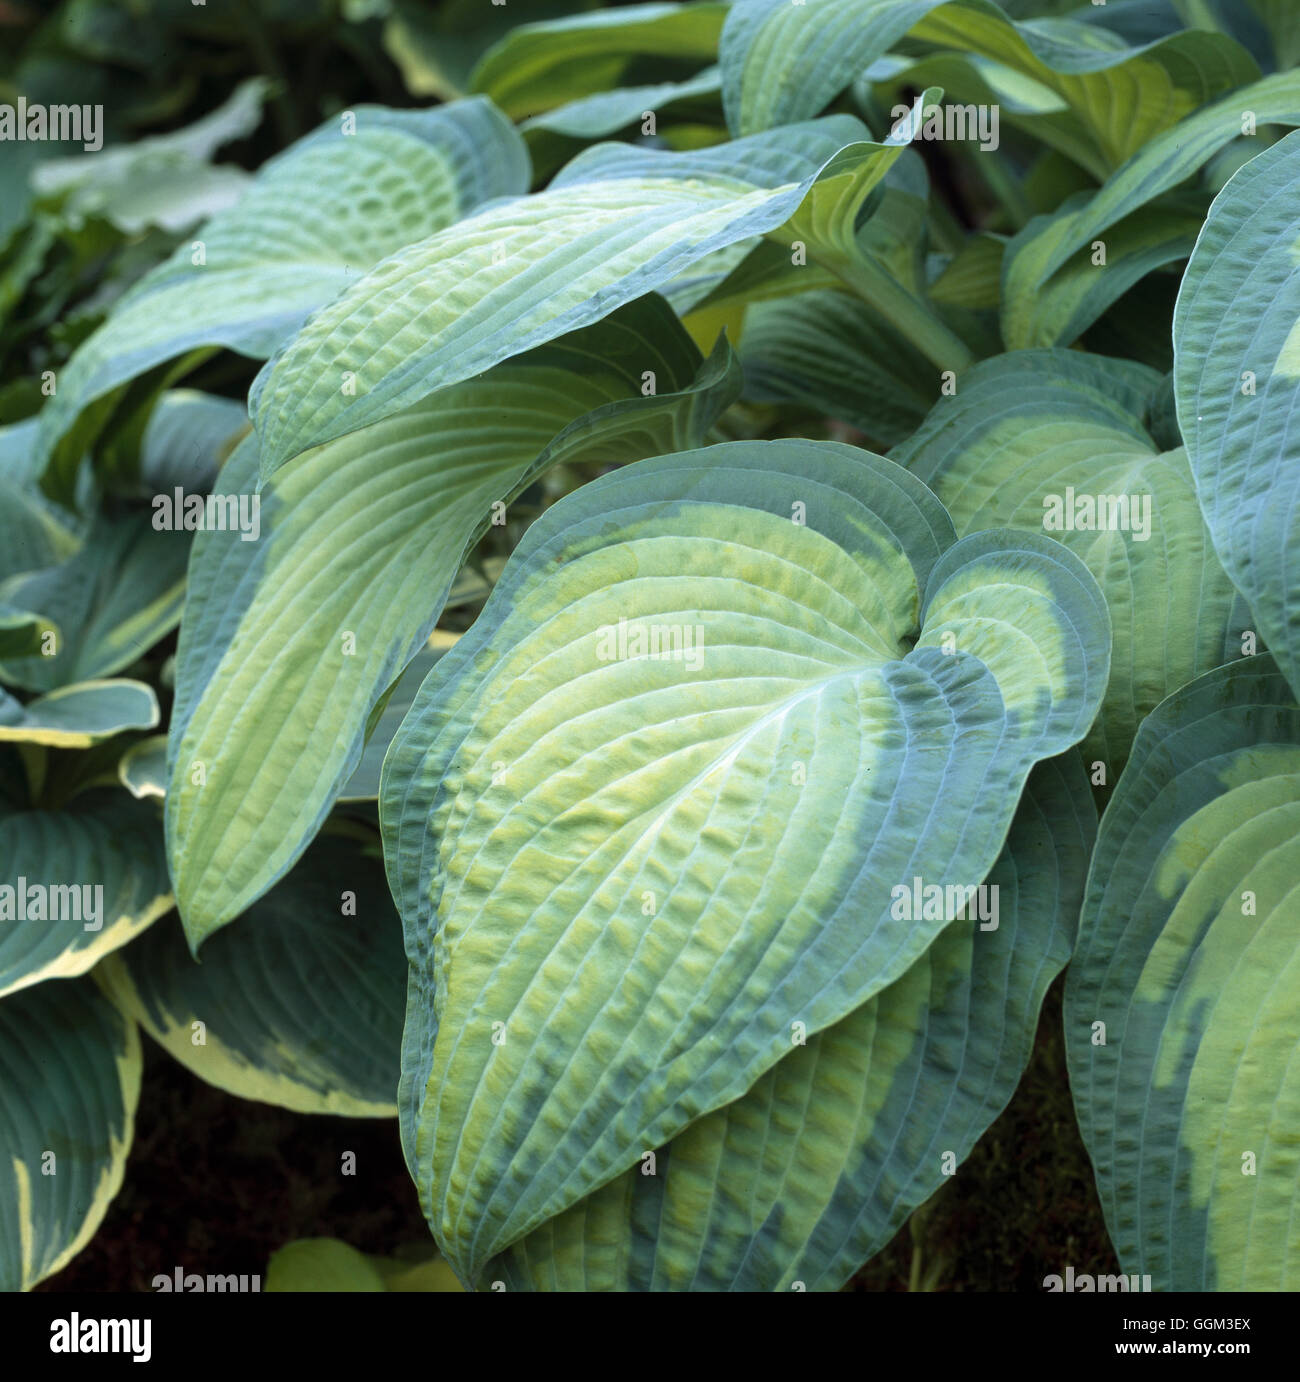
[
  {"x": 649, "y": 811},
  {"x": 1237, "y": 381}
]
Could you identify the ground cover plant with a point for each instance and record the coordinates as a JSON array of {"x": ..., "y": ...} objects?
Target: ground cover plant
[{"x": 658, "y": 600}]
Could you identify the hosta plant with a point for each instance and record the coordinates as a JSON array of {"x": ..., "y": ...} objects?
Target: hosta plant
[{"x": 746, "y": 539}]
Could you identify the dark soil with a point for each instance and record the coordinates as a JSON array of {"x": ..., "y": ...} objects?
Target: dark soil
[{"x": 215, "y": 1184}]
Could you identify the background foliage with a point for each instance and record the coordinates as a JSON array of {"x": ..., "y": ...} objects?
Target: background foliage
[{"x": 1123, "y": 124}]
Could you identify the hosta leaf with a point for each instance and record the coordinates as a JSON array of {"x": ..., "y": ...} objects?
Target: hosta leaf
[
  {"x": 1237, "y": 380},
  {"x": 72, "y": 1081},
  {"x": 1028, "y": 441},
  {"x": 112, "y": 601},
  {"x": 972, "y": 278},
  {"x": 551, "y": 136},
  {"x": 17, "y": 448},
  {"x": 142, "y": 769},
  {"x": 751, "y": 271},
  {"x": 1169, "y": 159},
  {"x": 74, "y": 717},
  {"x": 186, "y": 439},
  {"x": 329, "y": 1264},
  {"x": 826, "y": 350},
  {"x": 615, "y": 224},
  {"x": 167, "y": 180},
  {"x": 813, "y": 1170},
  {"x": 971, "y": 79},
  {"x": 607, "y": 112},
  {"x": 783, "y": 62},
  {"x": 1180, "y": 1013},
  {"x": 317, "y": 217},
  {"x": 23, "y": 634},
  {"x": 1283, "y": 24},
  {"x": 76, "y": 883},
  {"x": 641, "y": 869},
  {"x": 1062, "y": 308},
  {"x": 1269, "y": 28},
  {"x": 537, "y": 66},
  {"x": 288, "y": 643},
  {"x": 363, "y": 785},
  {"x": 32, "y": 534},
  {"x": 298, "y": 1004},
  {"x": 321, "y": 1264},
  {"x": 429, "y": 1274},
  {"x": 881, "y": 259},
  {"x": 437, "y": 47}
]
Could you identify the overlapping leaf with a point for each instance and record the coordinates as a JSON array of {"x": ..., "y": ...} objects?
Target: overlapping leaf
[
  {"x": 298, "y": 1004},
  {"x": 1180, "y": 1011},
  {"x": 317, "y": 217},
  {"x": 537, "y": 66},
  {"x": 552, "y": 135},
  {"x": 76, "y": 883},
  {"x": 616, "y": 224},
  {"x": 1067, "y": 303},
  {"x": 813, "y": 1170},
  {"x": 783, "y": 62},
  {"x": 111, "y": 601},
  {"x": 1269, "y": 28},
  {"x": 289, "y": 642},
  {"x": 825, "y": 350},
  {"x": 626, "y": 868},
  {"x": 67, "y": 1110},
  {"x": 1237, "y": 381},
  {"x": 33, "y": 533},
  {"x": 363, "y": 785},
  {"x": 74, "y": 717},
  {"x": 1048, "y": 245},
  {"x": 1039, "y": 440},
  {"x": 437, "y": 47},
  {"x": 187, "y": 437},
  {"x": 142, "y": 769}
]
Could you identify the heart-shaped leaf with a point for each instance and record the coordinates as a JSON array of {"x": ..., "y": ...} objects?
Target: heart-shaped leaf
[{"x": 649, "y": 811}]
